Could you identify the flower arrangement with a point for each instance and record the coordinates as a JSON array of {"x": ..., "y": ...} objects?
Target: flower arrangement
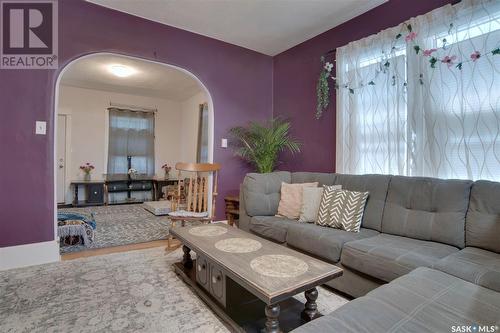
[
  {"x": 87, "y": 168},
  {"x": 132, "y": 172},
  {"x": 167, "y": 169},
  {"x": 452, "y": 61}
]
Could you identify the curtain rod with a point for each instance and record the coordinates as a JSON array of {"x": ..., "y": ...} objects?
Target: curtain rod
[{"x": 133, "y": 108}]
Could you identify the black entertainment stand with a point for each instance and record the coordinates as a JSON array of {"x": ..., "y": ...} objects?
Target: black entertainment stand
[{"x": 97, "y": 191}]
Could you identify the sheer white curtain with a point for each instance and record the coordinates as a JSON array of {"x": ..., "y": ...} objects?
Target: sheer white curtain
[
  {"x": 418, "y": 120},
  {"x": 131, "y": 133}
]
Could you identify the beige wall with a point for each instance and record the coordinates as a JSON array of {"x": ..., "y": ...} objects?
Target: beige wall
[
  {"x": 176, "y": 128},
  {"x": 190, "y": 119}
]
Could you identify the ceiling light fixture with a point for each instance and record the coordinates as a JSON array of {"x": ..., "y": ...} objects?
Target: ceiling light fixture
[{"x": 121, "y": 70}]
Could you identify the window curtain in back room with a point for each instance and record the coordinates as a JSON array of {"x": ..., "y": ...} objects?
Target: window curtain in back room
[
  {"x": 131, "y": 133},
  {"x": 415, "y": 119}
]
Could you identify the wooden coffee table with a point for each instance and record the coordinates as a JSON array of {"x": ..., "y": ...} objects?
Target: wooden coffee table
[{"x": 249, "y": 281}]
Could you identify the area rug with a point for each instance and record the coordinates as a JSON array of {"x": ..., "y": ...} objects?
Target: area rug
[
  {"x": 134, "y": 291},
  {"x": 121, "y": 225}
]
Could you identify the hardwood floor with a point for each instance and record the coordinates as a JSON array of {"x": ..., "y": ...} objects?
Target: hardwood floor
[{"x": 114, "y": 249}]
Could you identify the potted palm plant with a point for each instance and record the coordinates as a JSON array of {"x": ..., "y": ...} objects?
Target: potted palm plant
[{"x": 261, "y": 143}]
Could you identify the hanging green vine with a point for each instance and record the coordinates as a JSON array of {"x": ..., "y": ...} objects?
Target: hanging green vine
[{"x": 322, "y": 89}]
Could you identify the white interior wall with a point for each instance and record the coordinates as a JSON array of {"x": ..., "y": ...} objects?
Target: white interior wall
[{"x": 176, "y": 129}]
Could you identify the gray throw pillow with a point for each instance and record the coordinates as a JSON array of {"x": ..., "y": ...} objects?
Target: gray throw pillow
[
  {"x": 311, "y": 199},
  {"x": 342, "y": 209}
]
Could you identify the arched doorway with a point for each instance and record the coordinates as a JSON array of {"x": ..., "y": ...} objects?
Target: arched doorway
[{"x": 94, "y": 65}]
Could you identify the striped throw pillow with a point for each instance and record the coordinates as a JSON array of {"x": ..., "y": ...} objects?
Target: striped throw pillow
[{"x": 342, "y": 209}]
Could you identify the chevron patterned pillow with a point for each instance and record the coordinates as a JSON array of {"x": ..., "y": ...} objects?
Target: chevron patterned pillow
[{"x": 342, "y": 209}]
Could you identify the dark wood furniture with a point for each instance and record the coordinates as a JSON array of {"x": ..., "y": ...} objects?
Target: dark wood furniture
[
  {"x": 249, "y": 281},
  {"x": 158, "y": 184},
  {"x": 232, "y": 209},
  {"x": 139, "y": 184},
  {"x": 129, "y": 186},
  {"x": 94, "y": 193}
]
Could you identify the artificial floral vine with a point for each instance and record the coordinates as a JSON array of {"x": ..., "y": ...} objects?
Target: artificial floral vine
[
  {"x": 323, "y": 89},
  {"x": 452, "y": 61}
]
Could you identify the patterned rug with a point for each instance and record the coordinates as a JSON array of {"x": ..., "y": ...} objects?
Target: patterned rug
[
  {"x": 121, "y": 225},
  {"x": 134, "y": 291}
]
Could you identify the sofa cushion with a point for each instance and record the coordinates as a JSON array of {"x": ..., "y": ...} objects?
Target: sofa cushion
[
  {"x": 474, "y": 265},
  {"x": 261, "y": 192},
  {"x": 425, "y": 300},
  {"x": 377, "y": 186},
  {"x": 387, "y": 257},
  {"x": 427, "y": 209},
  {"x": 309, "y": 177},
  {"x": 271, "y": 227},
  {"x": 483, "y": 216},
  {"x": 323, "y": 242}
]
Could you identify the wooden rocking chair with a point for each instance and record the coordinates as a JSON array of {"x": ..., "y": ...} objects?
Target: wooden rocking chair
[{"x": 190, "y": 202}]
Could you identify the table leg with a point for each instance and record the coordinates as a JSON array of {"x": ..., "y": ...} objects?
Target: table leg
[
  {"x": 186, "y": 258},
  {"x": 272, "y": 323},
  {"x": 311, "y": 308},
  {"x": 75, "y": 198}
]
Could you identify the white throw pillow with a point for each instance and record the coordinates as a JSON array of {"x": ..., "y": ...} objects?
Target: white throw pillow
[
  {"x": 291, "y": 199},
  {"x": 311, "y": 199}
]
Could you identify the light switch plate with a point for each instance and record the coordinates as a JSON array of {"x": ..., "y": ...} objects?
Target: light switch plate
[
  {"x": 41, "y": 127},
  {"x": 223, "y": 143}
]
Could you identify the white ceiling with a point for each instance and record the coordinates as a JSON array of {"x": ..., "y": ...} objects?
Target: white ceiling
[
  {"x": 151, "y": 79},
  {"x": 265, "y": 26}
]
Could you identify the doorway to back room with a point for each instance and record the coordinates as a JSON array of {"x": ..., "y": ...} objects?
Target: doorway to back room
[{"x": 122, "y": 124}]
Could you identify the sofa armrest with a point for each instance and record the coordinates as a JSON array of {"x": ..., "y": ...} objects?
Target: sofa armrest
[
  {"x": 261, "y": 192},
  {"x": 243, "y": 219}
]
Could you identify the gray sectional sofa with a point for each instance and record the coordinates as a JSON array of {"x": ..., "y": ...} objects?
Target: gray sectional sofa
[{"x": 427, "y": 256}]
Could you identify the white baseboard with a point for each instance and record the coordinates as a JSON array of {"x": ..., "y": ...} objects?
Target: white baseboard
[{"x": 29, "y": 254}]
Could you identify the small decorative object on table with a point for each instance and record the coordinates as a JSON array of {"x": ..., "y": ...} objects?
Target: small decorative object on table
[
  {"x": 167, "y": 169},
  {"x": 132, "y": 173},
  {"x": 87, "y": 169}
]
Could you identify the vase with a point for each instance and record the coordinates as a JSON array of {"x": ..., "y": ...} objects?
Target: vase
[
  {"x": 167, "y": 175},
  {"x": 86, "y": 177}
]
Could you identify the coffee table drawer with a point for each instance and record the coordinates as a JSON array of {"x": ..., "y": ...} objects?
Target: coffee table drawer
[
  {"x": 218, "y": 284},
  {"x": 202, "y": 272}
]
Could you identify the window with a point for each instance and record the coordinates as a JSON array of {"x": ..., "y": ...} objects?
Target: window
[
  {"x": 131, "y": 142},
  {"x": 416, "y": 120}
]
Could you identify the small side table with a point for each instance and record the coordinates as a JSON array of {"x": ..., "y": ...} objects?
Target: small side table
[
  {"x": 232, "y": 209},
  {"x": 94, "y": 191}
]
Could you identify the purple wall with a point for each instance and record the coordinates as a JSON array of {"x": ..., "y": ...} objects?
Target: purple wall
[
  {"x": 239, "y": 80},
  {"x": 296, "y": 72}
]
